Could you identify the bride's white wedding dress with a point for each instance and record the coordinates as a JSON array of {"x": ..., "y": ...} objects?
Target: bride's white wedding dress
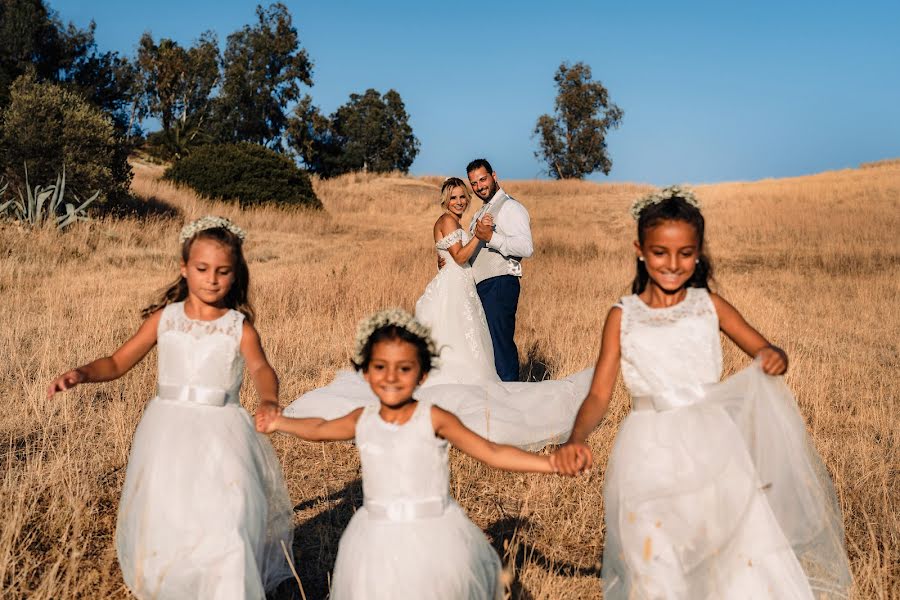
[{"x": 528, "y": 415}]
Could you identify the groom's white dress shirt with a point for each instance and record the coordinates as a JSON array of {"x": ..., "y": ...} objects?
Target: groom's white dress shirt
[{"x": 510, "y": 242}]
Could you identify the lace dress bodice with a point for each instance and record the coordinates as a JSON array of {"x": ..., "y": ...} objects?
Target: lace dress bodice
[
  {"x": 672, "y": 348},
  {"x": 200, "y": 361},
  {"x": 402, "y": 463},
  {"x": 460, "y": 235}
]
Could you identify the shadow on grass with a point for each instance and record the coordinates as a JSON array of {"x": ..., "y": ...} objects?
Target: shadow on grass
[
  {"x": 133, "y": 207},
  {"x": 535, "y": 367},
  {"x": 516, "y": 552},
  {"x": 316, "y": 543}
]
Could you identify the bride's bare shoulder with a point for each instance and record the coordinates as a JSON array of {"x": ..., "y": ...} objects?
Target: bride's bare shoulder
[{"x": 444, "y": 226}]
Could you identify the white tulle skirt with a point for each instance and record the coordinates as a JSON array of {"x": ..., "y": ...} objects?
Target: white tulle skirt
[
  {"x": 725, "y": 497},
  {"x": 528, "y": 415},
  {"x": 204, "y": 509},
  {"x": 439, "y": 558}
]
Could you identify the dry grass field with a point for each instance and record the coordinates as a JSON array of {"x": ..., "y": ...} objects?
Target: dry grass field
[{"x": 814, "y": 262}]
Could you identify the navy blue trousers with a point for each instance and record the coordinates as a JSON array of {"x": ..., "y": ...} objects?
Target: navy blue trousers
[{"x": 500, "y": 298}]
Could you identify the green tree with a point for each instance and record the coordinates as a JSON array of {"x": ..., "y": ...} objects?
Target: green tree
[
  {"x": 370, "y": 132},
  {"x": 263, "y": 68},
  {"x": 48, "y": 125},
  {"x": 109, "y": 82},
  {"x": 176, "y": 84},
  {"x": 34, "y": 40},
  {"x": 573, "y": 141}
]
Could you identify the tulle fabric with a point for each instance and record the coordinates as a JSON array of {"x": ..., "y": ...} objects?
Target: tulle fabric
[
  {"x": 724, "y": 497},
  {"x": 204, "y": 509},
  {"x": 450, "y": 306},
  {"x": 443, "y": 556},
  {"x": 527, "y": 415}
]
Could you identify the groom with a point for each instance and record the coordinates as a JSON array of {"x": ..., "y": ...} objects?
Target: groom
[{"x": 503, "y": 226}]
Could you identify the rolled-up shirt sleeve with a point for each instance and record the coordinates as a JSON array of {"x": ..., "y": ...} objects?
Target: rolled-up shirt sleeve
[{"x": 512, "y": 233}]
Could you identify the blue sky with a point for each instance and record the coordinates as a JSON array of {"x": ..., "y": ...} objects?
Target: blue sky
[{"x": 711, "y": 91}]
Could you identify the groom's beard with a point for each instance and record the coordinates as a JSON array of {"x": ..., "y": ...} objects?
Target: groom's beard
[{"x": 490, "y": 193}]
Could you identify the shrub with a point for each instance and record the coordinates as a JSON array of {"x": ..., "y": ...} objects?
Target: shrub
[
  {"x": 50, "y": 128},
  {"x": 245, "y": 172}
]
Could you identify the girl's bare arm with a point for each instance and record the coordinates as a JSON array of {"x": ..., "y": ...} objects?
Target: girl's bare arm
[
  {"x": 574, "y": 456},
  {"x": 500, "y": 456},
  {"x": 773, "y": 360},
  {"x": 113, "y": 366},
  {"x": 312, "y": 430},
  {"x": 261, "y": 372}
]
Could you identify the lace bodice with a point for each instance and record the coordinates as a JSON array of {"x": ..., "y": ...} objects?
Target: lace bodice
[
  {"x": 402, "y": 462},
  {"x": 200, "y": 361},
  {"x": 670, "y": 348},
  {"x": 459, "y": 235}
]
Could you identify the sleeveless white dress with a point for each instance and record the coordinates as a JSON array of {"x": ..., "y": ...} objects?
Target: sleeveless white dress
[
  {"x": 713, "y": 490},
  {"x": 528, "y": 415},
  {"x": 410, "y": 539},
  {"x": 204, "y": 508}
]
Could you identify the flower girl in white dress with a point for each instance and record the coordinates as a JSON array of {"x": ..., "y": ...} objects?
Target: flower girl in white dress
[
  {"x": 713, "y": 489},
  {"x": 409, "y": 539},
  {"x": 204, "y": 511}
]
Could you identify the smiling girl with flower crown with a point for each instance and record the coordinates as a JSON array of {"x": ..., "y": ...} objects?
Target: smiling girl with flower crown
[
  {"x": 204, "y": 511},
  {"x": 410, "y": 539},
  {"x": 713, "y": 490}
]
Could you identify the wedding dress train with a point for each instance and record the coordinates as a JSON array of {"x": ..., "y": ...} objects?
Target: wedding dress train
[{"x": 528, "y": 415}]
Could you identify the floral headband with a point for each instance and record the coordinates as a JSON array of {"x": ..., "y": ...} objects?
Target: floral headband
[
  {"x": 384, "y": 318},
  {"x": 672, "y": 191},
  {"x": 210, "y": 222}
]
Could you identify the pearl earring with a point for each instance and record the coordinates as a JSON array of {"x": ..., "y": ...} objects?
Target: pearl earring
[
  {"x": 696, "y": 261},
  {"x": 641, "y": 258}
]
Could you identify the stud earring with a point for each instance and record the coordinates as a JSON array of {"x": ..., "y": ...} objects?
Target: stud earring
[
  {"x": 696, "y": 261},
  {"x": 641, "y": 258}
]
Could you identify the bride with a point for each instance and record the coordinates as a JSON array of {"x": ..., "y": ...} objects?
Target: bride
[{"x": 529, "y": 415}]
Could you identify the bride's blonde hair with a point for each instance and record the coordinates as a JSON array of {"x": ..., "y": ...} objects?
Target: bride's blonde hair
[{"x": 447, "y": 187}]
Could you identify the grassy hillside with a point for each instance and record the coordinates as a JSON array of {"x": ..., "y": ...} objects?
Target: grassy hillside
[{"x": 812, "y": 261}]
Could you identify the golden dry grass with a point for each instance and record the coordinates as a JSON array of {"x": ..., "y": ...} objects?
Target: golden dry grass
[{"x": 812, "y": 261}]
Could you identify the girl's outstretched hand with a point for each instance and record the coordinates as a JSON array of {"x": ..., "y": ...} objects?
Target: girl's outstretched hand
[
  {"x": 67, "y": 380},
  {"x": 773, "y": 360},
  {"x": 266, "y": 416},
  {"x": 572, "y": 459}
]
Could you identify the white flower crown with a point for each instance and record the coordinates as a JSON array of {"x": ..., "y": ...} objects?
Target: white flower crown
[
  {"x": 672, "y": 191},
  {"x": 398, "y": 318},
  {"x": 210, "y": 222}
]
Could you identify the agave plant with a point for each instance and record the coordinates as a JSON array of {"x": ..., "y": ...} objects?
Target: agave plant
[{"x": 45, "y": 205}]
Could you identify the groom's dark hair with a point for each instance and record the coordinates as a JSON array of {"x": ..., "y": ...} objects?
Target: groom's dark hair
[{"x": 477, "y": 164}]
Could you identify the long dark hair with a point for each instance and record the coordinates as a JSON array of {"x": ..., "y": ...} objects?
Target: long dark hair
[
  {"x": 396, "y": 332},
  {"x": 675, "y": 208},
  {"x": 238, "y": 297}
]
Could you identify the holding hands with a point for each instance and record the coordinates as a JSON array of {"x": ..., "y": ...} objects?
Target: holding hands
[
  {"x": 572, "y": 459},
  {"x": 267, "y": 416},
  {"x": 484, "y": 228}
]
